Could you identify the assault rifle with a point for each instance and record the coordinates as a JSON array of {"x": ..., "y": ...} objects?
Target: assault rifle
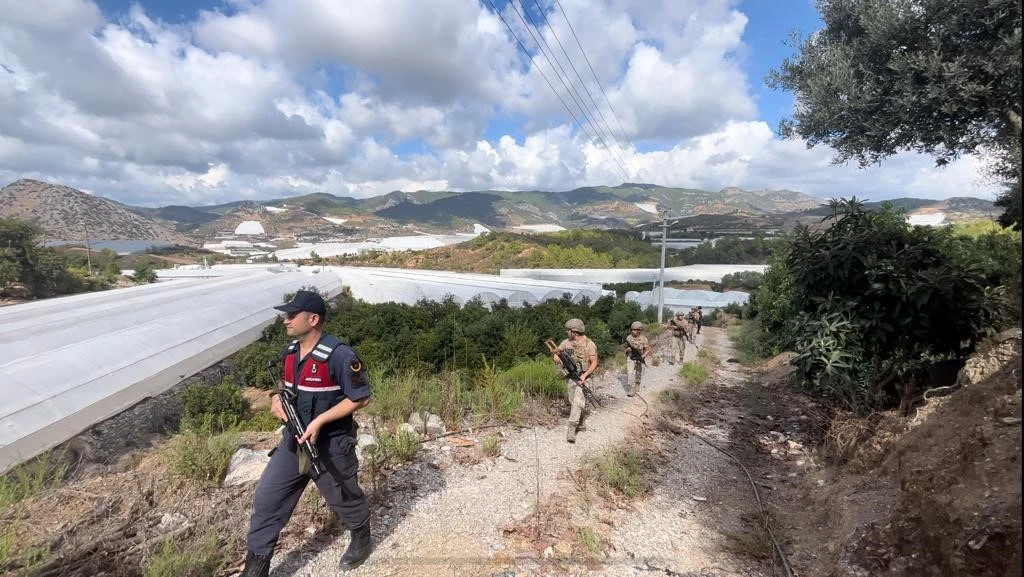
[
  {"x": 637, "y": 354},
  {"x": 572, "y": 370},
  {"x": 309, "y": 456}
]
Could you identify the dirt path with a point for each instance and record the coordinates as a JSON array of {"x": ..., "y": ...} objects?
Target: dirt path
[{"x": 525, "y": 511}]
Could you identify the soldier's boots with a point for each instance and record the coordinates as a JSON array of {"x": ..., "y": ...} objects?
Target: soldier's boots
[
  {"x": 256, "y": 565},
  {"x": 359, "y": 547},
  {"x": 570, "y": 433}
]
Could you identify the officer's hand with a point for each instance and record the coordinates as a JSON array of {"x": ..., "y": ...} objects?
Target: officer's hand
[
  {"x": 312, "y": 432},
  {"x": 276, "y": 409}
]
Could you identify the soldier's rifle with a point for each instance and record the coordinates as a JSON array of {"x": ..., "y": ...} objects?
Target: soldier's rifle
[
  {"x": 294, "y": 424},
  {"x": 572, "y": 370}
]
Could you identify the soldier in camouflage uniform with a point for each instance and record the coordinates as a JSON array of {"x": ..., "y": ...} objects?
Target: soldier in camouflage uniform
[
  {"x": 638, "y": 349},
  {"x": 584, "y": 352},
  {"x": 697, "y": 317},
  {"x": 682, "y": 331}
]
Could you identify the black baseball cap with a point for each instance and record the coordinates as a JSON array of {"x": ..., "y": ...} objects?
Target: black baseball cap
[{"x": 305, "y": 301}]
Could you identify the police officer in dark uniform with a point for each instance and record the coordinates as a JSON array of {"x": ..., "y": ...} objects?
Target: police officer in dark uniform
[{"x": 330, "y": 383}]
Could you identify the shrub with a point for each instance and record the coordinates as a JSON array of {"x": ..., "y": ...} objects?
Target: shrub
[
  {"x": 694, "y": 373},
  {"x": 218, "y": 408},
  {"x": 179, "y": 559},
  {"x": 204, "y": 456},
  {"x": 537, "y": 378},
  {"x": 869, "y": 302},
  {"x": 32, "y": 477},
  {"x": 621, "y": 470}
]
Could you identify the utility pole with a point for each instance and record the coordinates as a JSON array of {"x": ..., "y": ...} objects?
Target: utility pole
[
  {"x": 88, "y": 249},
  {"x": 661, "y": 275}
]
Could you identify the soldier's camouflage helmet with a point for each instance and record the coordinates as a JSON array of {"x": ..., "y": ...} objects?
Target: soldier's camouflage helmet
[
  {"x": 576, "y": 325},
  {"x": 637, "y": 325}
]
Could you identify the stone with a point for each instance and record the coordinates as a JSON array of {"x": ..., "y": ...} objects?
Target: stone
[
  {"x": 434, "y": 425},
  {"x": 417, "y": 424},
  {"x": 365, "y": 441},
  {"x": 171, "y": 522},
  {"x": 246, "y": 465}
]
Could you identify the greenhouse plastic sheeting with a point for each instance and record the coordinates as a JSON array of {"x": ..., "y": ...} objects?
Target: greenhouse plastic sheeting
[
  {"x": 703, "y": 272},
  {"x": 72, "y": 362},
  {"x": 678, "y": 300},
  {"x": 377, "y": 285}
]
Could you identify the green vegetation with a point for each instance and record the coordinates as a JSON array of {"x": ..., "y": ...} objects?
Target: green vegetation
[
  {"x": 752, "y": 345},
  {"x": 32, "y": 477},
  {"x": 570, "y": 249},
  {"x": 174, "y": 558},
  {"x": 28, "y": 270},
  {"x": 942, "y": 77},
  {"x": 591, "y": 540},
  {"x": 17, "y": 560},
  {"x": 218, "y": 408},
  {"x": 870, "y": 302},
  {"x": 694, "y": 373},
  {"x": 491, "y": 446},
  {"x": 393, "y": 447},
  {"x": 202, "y": 455},
  {"x": 621, "y": 471},
  {"x": 730, "y": 250}
]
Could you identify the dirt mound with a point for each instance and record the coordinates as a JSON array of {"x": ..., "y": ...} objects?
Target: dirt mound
[
  {"x": 933, "y": 493},
  {"x": 959, "y": 472}
]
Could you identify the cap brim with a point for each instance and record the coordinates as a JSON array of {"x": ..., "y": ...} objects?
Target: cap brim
[{"x": 288, "y": 308}]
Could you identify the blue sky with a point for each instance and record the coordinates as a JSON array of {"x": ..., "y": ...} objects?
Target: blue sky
[{"x": 191, "y": 102}]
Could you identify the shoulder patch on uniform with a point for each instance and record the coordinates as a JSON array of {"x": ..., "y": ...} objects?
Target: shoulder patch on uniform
[{"x": 358, "y": 371}]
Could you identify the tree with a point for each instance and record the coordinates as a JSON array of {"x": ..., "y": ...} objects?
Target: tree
[
  {"x": 144, "y": 274},
  {"x": 941, "y": 77}
]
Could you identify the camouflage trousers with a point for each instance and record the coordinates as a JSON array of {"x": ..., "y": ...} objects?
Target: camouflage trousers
[
  {"x": 577, "y": 402},
  {"x": 638, "y": 371},
  {"x": 678, "y": 349}
]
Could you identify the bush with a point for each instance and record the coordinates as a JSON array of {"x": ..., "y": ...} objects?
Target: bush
[
  {"x": 216, "y": 408},
  {"x": 536, "y": 378},
  {"x": 33, "y": 477},
  {"x": 621, "y": 470},
  {"x": 179, "y": 559},
  {"x": 870, "y": 302},
  {"x": 694, "y": 373},
  {"x": 204, "y": 456}
]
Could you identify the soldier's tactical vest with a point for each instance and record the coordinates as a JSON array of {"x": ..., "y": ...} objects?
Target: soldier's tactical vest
[
  {"x": 315, "y": 389},
  {"x": 579, "y": 354},
  {"x": 679, "y": 328}
]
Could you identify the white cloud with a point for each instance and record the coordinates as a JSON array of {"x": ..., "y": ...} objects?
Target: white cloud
[{"x": 269, "y": 98}]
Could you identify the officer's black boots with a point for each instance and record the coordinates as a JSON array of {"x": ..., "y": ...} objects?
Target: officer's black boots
[
  {"x": 358, "y": 549},
  {"x": 256, "y": 565}
]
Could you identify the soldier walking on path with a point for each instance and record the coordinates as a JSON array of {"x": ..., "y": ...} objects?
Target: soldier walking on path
[
  {"x": 697, "y": 316},
  {"x": 638, "y": 350},
  {"x": 583, "y": 352},
  {"x": 681, "y": 332}
]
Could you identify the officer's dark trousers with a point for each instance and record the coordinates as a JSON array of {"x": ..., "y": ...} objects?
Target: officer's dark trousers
[{"x": 281, "y": 487}]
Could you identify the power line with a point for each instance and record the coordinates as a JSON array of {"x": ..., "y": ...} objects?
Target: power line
[
  {"x": 584, "y": 52},
  {"x": 538, "y": 69},
  {"x": 573, "y": 94},
  {"x": 550, "y": 54},
  {"x": 607, "y": 127}
]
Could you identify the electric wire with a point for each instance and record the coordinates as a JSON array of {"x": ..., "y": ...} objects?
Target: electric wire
[{"x": 542, "y": 45}]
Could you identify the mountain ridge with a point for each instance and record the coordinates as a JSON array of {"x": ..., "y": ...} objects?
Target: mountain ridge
[{"x": 61, "y": 210}]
